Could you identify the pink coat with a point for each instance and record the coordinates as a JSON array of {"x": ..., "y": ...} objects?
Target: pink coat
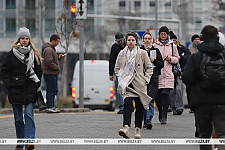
[{"x": 166, "y": 79}]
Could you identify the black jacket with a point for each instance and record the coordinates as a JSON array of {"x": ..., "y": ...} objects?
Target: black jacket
[
  {"x": 115, "y": 49},
  {"x": 158, "y": 62},
  {"x": 184, "y": 53},
  {"x": 153, "y": 85},
  {"x": 191, "y": 76},
  {"x": 21, "y": 89}
]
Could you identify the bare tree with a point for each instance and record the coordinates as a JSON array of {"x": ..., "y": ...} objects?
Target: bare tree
[
  {"x": 67, "y": 28},
  {"x": 216, "y": 16}
]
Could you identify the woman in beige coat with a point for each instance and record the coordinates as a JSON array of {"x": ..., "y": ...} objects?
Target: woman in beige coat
[{"x": 133, "y": 78}]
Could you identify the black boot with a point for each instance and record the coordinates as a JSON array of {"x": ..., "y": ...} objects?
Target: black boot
[
  {"x": 160, "y": 115},
  {"x": 164, "y": 118}
]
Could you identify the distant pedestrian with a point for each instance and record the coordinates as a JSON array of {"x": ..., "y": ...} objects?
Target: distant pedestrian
[
  {"x": 51, "y": 69},
  {"x": 3, "y": 98},
  {"x": 207, "y": 98},
  {"x": 115, "y": 49},
  {"x": 166, "y": 79},
  {"x": 195, "y": 41},
  {"x": 176, "y": 95},
  {"x": 133, "y": 76},
  {"x": 152, "y": 88},
  {"x": 21, "y": 73}
]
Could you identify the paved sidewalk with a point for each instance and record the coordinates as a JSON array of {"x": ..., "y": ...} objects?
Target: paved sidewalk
[{"x": 101, "y": 125}]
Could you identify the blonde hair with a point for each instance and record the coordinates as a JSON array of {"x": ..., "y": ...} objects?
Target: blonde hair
[
  {"x": 177, "y": 43},
  {"x": 37, "y": 55}
]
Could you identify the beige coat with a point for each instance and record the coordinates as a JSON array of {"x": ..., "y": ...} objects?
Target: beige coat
[
  {"x": 138, "y": 79},
  {"x": 193, "y": 49}
]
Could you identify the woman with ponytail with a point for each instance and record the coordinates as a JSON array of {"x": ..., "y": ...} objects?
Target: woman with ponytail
[{"x": 21, "y": 72}]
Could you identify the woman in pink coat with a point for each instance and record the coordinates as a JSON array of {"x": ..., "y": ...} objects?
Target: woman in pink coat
[{"x": 166, "y": 79}]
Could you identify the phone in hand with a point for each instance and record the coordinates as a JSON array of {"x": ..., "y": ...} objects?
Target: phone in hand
[
  {"x": 64, "y": 54},
  {"x": 165, "y": 58}
]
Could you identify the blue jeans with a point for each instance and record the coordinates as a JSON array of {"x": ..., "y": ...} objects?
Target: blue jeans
[
  {"x": 24, "y": 129},
  {"x": 149, "y": 113},
  {"x": 51, "y": 90},
  {"x": 120, "y": 99}
]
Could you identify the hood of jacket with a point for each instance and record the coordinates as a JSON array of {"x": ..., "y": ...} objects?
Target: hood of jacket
[
  {"x": 210, "y": 46},
  {"x": 47, "y": 45}
]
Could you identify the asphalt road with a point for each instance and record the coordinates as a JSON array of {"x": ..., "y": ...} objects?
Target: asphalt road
[{"x": 100, "y": 125}]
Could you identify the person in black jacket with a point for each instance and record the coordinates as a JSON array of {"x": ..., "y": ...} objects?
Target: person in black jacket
[
  {"x": 152, "y": 88},
  {"x": 115, "y": 49},
  {"x": 176, "y": 95},
  {"x": 21, "y": 72},
  {"x": 209, "y": 105}
]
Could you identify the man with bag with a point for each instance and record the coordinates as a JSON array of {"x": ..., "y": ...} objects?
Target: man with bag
[{"x": 207, "y": 98}]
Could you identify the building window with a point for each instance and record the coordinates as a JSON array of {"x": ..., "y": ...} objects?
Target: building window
[
  {"x": 198, "y": 20},
  {"x": 137, "y": 4},
  {"x": 30, "y": 24},
  {"x": 10, "y": 4},
  {"x": 88, "y": 27},
  {"x": 198, "y": 4},
  {"x": 69, "y": 3},
  {"x": 30, "y": 4},
  {"x": 10, "y": 24},
  {"x": 49, "y": 25},
  {"x": 122, "y": 4},
  {"x": 99, "y": 5},
  {"x": 152, "y": 4},
  {"x": 168, "y": 3},
  {"x": 90, "y": 5},
  {"x": 50, "y": 4}
]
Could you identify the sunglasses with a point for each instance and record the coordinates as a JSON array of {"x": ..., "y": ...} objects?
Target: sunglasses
[
  {"x": 147, "y": 38},
  {"x": 25, "y": 38}
]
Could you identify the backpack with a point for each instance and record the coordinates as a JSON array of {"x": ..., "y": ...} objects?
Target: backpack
[{"x": 212, "y": 71}]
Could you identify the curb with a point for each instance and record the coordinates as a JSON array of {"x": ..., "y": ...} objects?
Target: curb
[{"x": 62, "y": 110}]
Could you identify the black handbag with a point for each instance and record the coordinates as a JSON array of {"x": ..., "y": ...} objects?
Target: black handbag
[
  {"x": 40, "y": 101},
  {"x": 176, "y": 67}
]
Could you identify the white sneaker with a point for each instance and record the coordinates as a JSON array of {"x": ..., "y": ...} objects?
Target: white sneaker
[
  {"x": 53, "y": 110},
  {"x": 215, "y": 148}
]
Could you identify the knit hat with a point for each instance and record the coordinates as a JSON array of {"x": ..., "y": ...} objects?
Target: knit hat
[
  {"x": 164, "y": 29},
  {"x": 194, "y": 36},
  {"x": 119, "y": 36},
  {"x": 172, "y": 35},
  {"x": 23, "y": 32}
]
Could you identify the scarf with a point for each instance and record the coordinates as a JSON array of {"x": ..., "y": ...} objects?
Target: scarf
[
  {"x": 164, "y": 42},
  {"x": 148, "y": 47},
  {"x": 20, "y": 54},
  {"x": 127, "y": 65}
]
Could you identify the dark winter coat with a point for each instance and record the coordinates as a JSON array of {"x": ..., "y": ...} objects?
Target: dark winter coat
[
  {"x": 115, "y": 49},
  {"x": 184, "y": 53},
  {"x": 191, "y": 76},
  {"x": 154, "y": 82},
  {"x": 50, "y": 62},
  {"x": 21, "y": 89}
]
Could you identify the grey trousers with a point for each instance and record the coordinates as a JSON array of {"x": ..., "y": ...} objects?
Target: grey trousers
[
  {"x": 206, "y": 114},
  {"x": 176, "y": 96}
]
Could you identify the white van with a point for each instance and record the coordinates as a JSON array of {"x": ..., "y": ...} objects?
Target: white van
[{"x": 98, "y": 89}]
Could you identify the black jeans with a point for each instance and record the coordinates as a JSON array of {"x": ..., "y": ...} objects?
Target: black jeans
[
  {"x": 127, "y": 111},
  {"x": 207, "y": 114}
]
